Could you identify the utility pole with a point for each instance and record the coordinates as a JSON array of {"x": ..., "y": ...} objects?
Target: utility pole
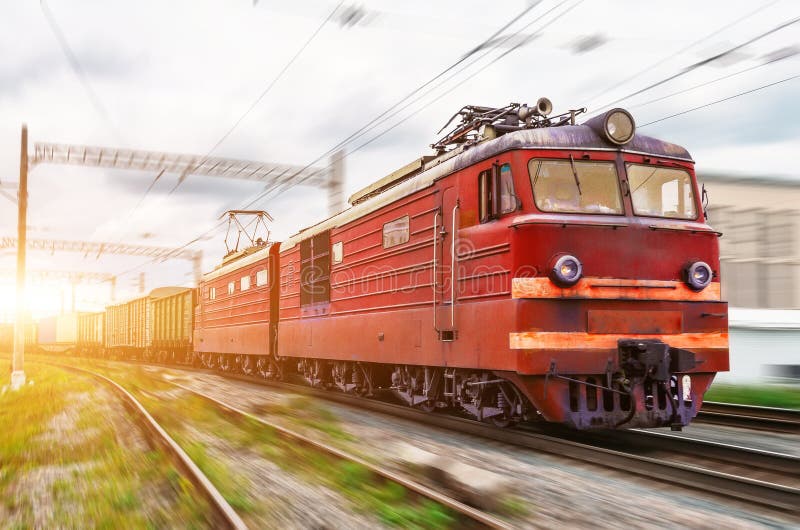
[
  {"x": 335, "y": 183},
  {"x": 18, "y": 360}
]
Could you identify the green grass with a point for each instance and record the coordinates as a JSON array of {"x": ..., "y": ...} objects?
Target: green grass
[
  {"x": 761, "y": 395},
  {"x": 59, "y": 440},
  {"x": 369, "y": 494}
]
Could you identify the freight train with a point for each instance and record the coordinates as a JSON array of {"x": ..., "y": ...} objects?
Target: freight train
[{"x": 531, "y": 269}]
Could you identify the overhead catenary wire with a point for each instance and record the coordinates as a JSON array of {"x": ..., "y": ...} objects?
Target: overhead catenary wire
[
  {"x": 377, "y": 118},
  {"x": 333, "y": 149},
  {"x": 699, "y": 64},
  {"x": 371, "y": 125},
  {"x": 705, "y": 83},
  {"x": 77, "y": 68},
  {"x": 267, "y": 88},
  {"x": 712, "y": 103},
  {"x": 683, "y": 50},
  {"x": 241, "y": 118}
]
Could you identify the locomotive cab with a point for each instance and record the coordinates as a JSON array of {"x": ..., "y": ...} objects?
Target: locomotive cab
[{"x": 618, "y": 315}]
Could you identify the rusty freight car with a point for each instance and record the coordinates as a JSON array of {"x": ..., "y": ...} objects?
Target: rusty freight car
[
  {"x": 90, "y": 334},
  {"x": 172, "y": 321},
  {"x": 128, "y": 326}
]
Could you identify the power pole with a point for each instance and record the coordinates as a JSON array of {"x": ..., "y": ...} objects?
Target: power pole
[
  {"x": 18, "y": 359},
  {"x": 335, "y": 183}
]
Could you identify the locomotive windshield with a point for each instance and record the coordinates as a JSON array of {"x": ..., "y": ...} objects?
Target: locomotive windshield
[
  {"x": 661, "y": 192},
  {"x": 575, "y": 186}
]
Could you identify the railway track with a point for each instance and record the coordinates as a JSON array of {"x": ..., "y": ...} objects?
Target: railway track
[
  {"x": 470, "y": 517},
  {"x": 759, "y": 477},
  {"x": 750, "y": 417},
  {"x": 225, "y": 515},
  {"x": 748, "y": 474}
]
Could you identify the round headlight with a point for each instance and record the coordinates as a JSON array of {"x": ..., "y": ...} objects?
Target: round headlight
[
  {"x": 619, "y": 126},
  {"x": 567, "y": 270},
  {"x": 698, "y": 275}
]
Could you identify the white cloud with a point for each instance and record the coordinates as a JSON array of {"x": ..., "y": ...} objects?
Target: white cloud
[{"x": 174, "y": 76}]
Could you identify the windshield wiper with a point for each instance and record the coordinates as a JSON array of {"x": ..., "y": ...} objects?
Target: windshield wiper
[{"x": 575, "y": 174}]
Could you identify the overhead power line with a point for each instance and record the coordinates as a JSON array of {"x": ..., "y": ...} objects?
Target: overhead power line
[
  {"x": 698, "y": 64},
  {"x": 643, "y": 71},
  {"x": 712, "y": 103},
  {"x": 706, "y": 83},
  {"x": 77, "y": 68},
  {"x": 393, "y": 110},
  {"x": 266, "y": 89},
  {"x": 428, "y": 104},
  {"x": 272, "y": 83},
  {"x": 293, "y": 179}
]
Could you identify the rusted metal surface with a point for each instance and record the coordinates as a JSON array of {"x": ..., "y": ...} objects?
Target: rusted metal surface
[
  {"x": 172, "y": 323},
  {"x": 614, "y": 289},
  {"x": 90, "y": 333},
  {"x": 558, "y": 341},
  {"x": 630, "y": 322}
]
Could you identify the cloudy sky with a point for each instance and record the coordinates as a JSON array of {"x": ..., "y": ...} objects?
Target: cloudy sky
[{"x": 176, "y": 76}]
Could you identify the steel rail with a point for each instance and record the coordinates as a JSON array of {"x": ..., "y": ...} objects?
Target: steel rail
[
  {"x": 473, "y": 514},
  {"x": 767, "y": 494},
  {"x": 750, "y": 417},
  {"x": 226, "y": 514}
]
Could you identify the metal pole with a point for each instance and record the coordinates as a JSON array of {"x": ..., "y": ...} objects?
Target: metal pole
[
  {"x": 336, "y": 183},
  {"x": 197, "y": 265},
  {"x": 18, "y": 359}
]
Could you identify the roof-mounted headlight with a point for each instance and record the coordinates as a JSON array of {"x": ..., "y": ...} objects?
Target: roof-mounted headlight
[{"x": 616, "y": 125}]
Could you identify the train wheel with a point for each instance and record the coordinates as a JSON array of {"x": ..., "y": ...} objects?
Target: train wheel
[
  {"x": 427, "y": 406},
  {"x": 503, "y": 421},
  {"x": 224, "y": 362},
  {"x": 248, "y": 366}
]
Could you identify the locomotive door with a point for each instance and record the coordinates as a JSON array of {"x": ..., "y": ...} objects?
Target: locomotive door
[{"x": 446, "y": 288}]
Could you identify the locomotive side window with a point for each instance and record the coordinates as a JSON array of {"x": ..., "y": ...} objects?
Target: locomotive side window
[
  {"x": 231, "y": 287},
  {"x": 661, "y": 192},
  {"x": 496, "y": 192},
  {"x": 212, "y": 293},
  {"x": 396, "y": 232},
  {"x": 245, "y": 283},
  {"x": 575, "y": 186},
  {"x": 338, "y": 252},
  {"x": 261, "y": 278}
]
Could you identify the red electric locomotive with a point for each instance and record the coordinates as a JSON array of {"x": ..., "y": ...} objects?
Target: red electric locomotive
[{"x": 532, "y": 268}]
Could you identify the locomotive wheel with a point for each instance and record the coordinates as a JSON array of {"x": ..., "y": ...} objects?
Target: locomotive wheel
[
  {"x": 427, "y": 406},
  {"x": 248, "y": 366},
  {"x": 503, "y": 421}
]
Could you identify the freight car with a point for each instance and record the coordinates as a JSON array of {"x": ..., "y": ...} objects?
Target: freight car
[
  {"x": 532, "y": 268},
  {"x": 172, "y": 311},
  {"x": 90, "y": 334},
  {"x": 58, "y": 334},
  {"x": 156, "y": 324}
]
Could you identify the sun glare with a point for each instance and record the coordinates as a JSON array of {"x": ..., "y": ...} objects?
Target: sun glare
[{"x": 51, "y": 298}]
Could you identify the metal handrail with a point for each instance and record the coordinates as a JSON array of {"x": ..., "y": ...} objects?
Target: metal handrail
[
  {"x": 434, "y": 282},
  {"x": 453, "y": 260}
]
